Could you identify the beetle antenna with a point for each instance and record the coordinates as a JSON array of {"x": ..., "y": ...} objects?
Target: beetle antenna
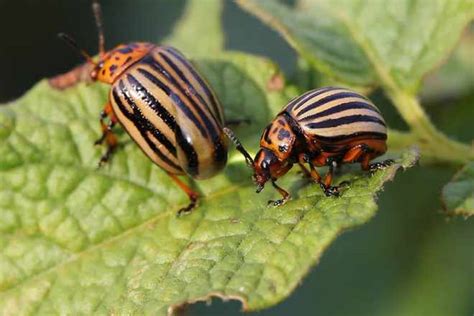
[
  {"x": 72, "y": 43},
  {"x": 100, "y": 25},
  {"x": 238, "y": 146}
]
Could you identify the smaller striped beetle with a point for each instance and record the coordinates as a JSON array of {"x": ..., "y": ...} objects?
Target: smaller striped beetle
[
  {"x": 323, "y": 127},
  {"x": 164, "y": 104}
]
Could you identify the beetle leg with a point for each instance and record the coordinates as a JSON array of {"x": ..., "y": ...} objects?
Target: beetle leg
[
  {"x": 283, "y": 192},
  {"x": 193, "y": 196},
  {"x": 106, "y": 129},
  {"x": 329, "y": 175},
  {"x": 312, "y": 173},
  {"x": 102, "y": 117},
  {"x": 365, "y": 157},
  {"x": 380, "y": 165},
  {"x": 325, "y": 184},
  {"x": 111, "y": 141},
  {"x": 305, "y": 171},
  {"x": 357, "y": 153},
  {"x": 365, "y": 163},
  {"x": 302, "y": 159},
  {"x": 107, "y": 135}
]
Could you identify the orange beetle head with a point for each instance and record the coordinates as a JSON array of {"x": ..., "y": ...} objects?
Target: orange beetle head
[
  {"x": 115, "y": 61},
  {"x": 267, "y": 166}
]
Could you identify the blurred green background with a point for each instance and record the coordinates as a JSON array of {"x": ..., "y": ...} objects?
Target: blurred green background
[{"x": 409, "y": 260}]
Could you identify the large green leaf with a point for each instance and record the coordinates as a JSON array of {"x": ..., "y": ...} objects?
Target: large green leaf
[
  {"x": 363, "y": 42},
  {"x": 458, "y": 194},
  {"x": 77, "y": 240}
]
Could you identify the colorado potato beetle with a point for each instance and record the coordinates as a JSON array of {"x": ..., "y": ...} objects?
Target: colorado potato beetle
[
  {"x": 323, "y": 127},
  {"x": 164, "y": 104}
]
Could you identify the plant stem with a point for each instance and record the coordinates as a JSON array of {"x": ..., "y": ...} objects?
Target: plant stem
[{"x": 432, "y": 142}]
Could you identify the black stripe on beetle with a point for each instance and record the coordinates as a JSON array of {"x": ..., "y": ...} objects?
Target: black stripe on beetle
[
  {"x": 144, "y": 126},
  {"x": 190, "y": 152},
  {"x": 153, "y": 103},
  {"x": 211, "y": 128},
  {"x": 220, "y": 152},
  {"x": 325, "y": 100},
  {"x": 345, "y": 120},
  {"x": 191, "y": 87},
  {"x": 342, "y": 138},
  {"x": 340, "y": 108},
  {"x": 180, "y": 74},
  {"x": 198, "y": 78},
  {"x": 166, "y": 89},
  {"x": 305, "y": 97}
]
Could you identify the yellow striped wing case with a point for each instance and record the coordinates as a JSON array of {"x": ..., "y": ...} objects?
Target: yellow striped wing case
[{"x": 172, "y": 114}]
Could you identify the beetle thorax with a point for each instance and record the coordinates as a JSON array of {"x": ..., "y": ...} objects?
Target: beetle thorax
[
  {"x": 279, "y": 138},
  {"x": 116, "y": 61}
]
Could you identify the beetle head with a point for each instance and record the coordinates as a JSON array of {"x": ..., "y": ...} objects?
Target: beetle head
[{"x": 267, "y": 166}]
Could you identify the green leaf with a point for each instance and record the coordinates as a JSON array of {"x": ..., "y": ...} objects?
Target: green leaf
[
  {"x": 77, "y": 240},
  {"x": 359, "y": 42},
  {"x": 199, "y": 30},
  {"x": 458, "y": 194}
]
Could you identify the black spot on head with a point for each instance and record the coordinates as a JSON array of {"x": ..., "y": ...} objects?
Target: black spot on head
[
  {"x": 281, "y": 122},
  {"x": 128, "y": 59},
  {"x": 275, "y": 130},
  {"x": 117, "y": 58},
  {"x": 283, "y": 148},
  {"x": 112, "y": 68},
  {"x": 103, "y": 72},
  {"x": 283, "y": 134}
]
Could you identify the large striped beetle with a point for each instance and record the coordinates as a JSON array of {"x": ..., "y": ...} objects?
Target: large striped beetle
[
  {"x": 323, "y": 127},
  {"x": 164, "y": 104}
]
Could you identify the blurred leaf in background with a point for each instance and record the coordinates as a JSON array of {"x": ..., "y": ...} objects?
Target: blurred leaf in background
[{"x": 458, "y": 194}]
